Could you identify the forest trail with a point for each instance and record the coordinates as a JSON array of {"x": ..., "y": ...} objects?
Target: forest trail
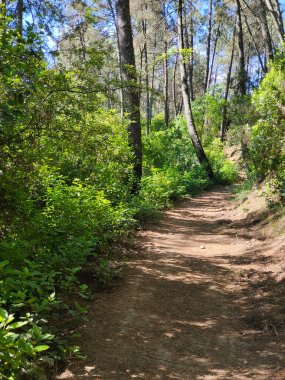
[{"x": 191, "y": 305}]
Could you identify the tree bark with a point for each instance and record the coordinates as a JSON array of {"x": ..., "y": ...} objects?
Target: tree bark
[
  {"x": 186, "y": 98},
  {"x": 269, "y": 53},
  {"x": 151, "y": 100},
  {"x": 119, "y": 56},
  {"x": 174, "y": 87},
  {"x": 227, "y": 90},
  {"x": 242, "y": 77},
  {"x": 262, "y": 21},
  {"x": 190, "y": 45},
  {"x": 208, "y": 51},
  {"x": 263, "y": 67},
  {"x": 213, "y": 57},
  {"x": 148, "y": 114},
  {"x": 20, "y": 10},
  {"x": 130, "y": 85},
  {"x": 274, "y": 10},
  {"x": 165, "y": 69}
]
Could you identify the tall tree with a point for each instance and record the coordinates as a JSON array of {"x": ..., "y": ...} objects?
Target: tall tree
[
  {"x": 145, "y": 50},
  {"x": 165, "y": 67},
  {"x": 242, "y": 77},
  {"x": 129, "y": 76},
  {"x": 227, "y": 89},
  {"x": 276, "y": 15},
  {"x": 186, "y": 97},
  {"x": 265, "y": 32},
  {"x": 114, "y": 18},
  {"x": 20, "y": 11},
  {"x": 262, "y": 65},
  {"x": 208, "y": 50},
  {"x": 189, "y": 43}
]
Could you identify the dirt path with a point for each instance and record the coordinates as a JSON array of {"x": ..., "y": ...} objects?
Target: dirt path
[{"x": 186, "y": 309}]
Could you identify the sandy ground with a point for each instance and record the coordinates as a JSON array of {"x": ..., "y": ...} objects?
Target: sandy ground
[{"x": 199, "y": 300}]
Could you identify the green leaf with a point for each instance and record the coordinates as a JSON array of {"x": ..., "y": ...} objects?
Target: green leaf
[
  {"x": 3, "y": 315},
  {"x": 17, "y": 325},
  {"x": 4, "y": 263},
  {"x": 41, "y": 348}
]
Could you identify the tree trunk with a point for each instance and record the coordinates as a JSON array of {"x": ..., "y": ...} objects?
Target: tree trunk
[
  {"x": 208, "y": 51},
  {"x": 165, "y": 70},
  {"x": 191, "y": 60},
  {"x": 148, "y": 113},
  {"x": 274, "y": 10},
  {"x": 213, "y": 57},
  {"x": 265, "y": 32},
  {"x": 119, "y": 56},
  {"x": 189, "y": 42},
  {"x": 20, "y": 10},
  {"x": 148, "y": 116},
  {"x": 262, "y": 21},
  {"x": 151, "y": 94},
  {"x": 254, "y": 43},
  {"x": 186, "y": 98},
  {"x": 131, "y": 92},
  {"x": 242, "y": 78},
  {"x": 174, "y": 87},
  {"x": 227, "y": 90}
]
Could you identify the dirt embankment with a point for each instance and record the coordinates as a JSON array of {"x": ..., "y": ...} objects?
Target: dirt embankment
[{"x": 202, "y": 298}]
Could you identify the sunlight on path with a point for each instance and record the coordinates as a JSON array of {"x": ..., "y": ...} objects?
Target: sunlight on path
[{"x": 180, "y": 312}]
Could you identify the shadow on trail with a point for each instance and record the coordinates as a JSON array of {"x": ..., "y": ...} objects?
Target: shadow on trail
[{"x": 176, "y": 316}]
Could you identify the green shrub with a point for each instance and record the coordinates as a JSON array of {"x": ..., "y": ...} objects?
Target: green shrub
[
  {"x": 225, "y": 171},
  {"x": 267, "y": 144}
]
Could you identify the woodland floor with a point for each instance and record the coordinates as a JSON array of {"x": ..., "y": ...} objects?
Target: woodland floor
[{"x": 201, "y": 299}]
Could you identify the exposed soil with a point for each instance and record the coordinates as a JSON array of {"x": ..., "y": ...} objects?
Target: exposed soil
[{"x": 202, "y": 299}]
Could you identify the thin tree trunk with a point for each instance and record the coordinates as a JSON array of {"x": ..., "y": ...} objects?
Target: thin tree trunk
[
  {"x": 213, "y": 57},
  {"x": 148, "y": 116},
  {"x": 131, "y": 92},
  {"x": 276, "y": 17},
  {"x": 82, "y": 42},
  {"x": 191, "y": 60},
  {"x": 165, "y": 69},
  {"x": 208, "y": 50},
  {"x": 242, "y": 78},
  {"x": 186, "y": 98},
  {"x": 141, "y": 71},
  {"x": 119, "y": 56},
  {"x": 20, "y": 10},
  {"x": 265, "y": 33},
  {"x": 189, "y": 43},
  {"x": 174, "y": 87},
  {"x": 151, "y": 94},
  {"x": 148, "y": 110},
  {"x": 262, "y": 21},
  {"x": 152, "y": 77},
  {"x": 280, "y": 17},
  {"x": 254, "y": 43},
  {"x": 248, "y": 71},
  {"x": 227, "y": 90}
]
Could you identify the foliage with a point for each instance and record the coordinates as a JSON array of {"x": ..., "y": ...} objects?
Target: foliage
[
  {"x": 267, "y": 146},
  {"x": 66, "y": 180},
  {"x": 21, "y": 344},
  {"x": 208, "y": 111},
  {"x": 225, "y": 171}
]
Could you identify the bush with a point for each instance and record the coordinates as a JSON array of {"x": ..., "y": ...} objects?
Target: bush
[
  {"x": 267, "y": 144},
  {"x": 225, "y": 171}
]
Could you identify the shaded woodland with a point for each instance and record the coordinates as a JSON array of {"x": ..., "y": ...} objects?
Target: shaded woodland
[{"x": 111, "y": 110}]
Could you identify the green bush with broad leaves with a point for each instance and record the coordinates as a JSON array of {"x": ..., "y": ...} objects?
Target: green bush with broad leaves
[{"x": 267, "y": 143}]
